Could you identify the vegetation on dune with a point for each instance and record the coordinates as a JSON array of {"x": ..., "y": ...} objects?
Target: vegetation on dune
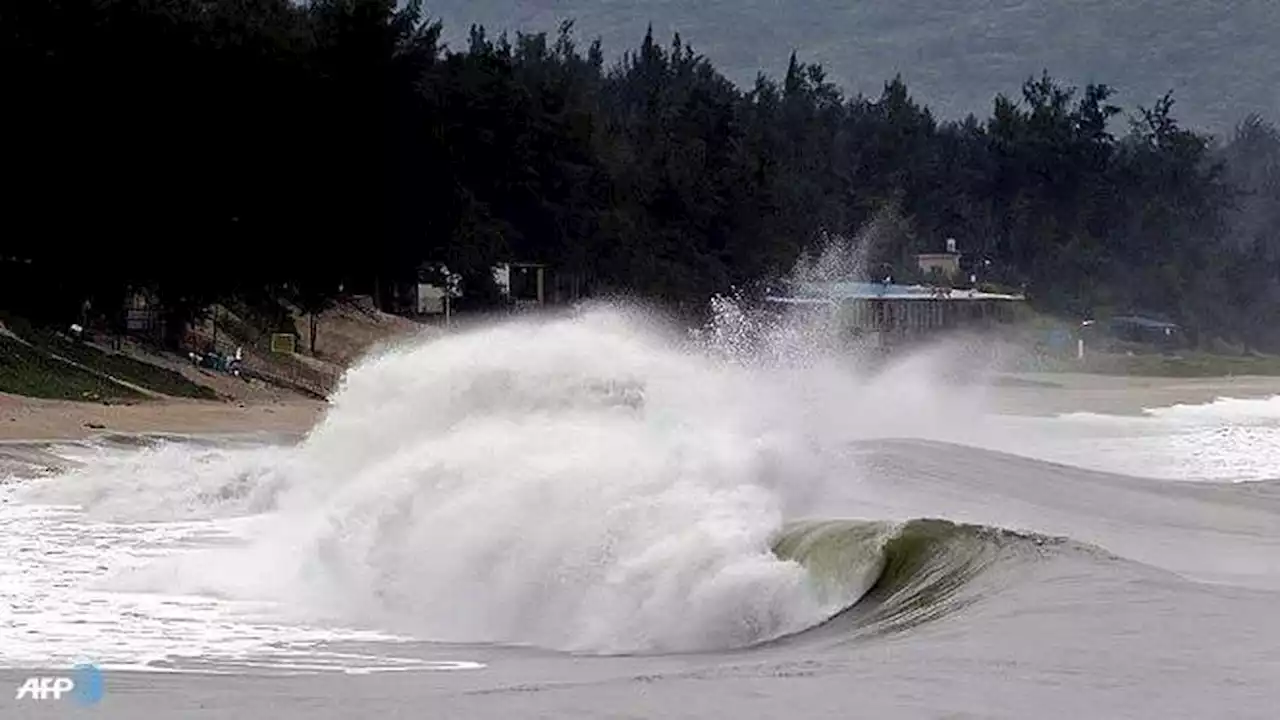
[
  {"x": 215, "y": 152},
  {"x": 25, "y": 370},
  {"x": 1182, "y": 365},
  {"x": 137, "y": 372},
  {"x": 44, "y": 351}
]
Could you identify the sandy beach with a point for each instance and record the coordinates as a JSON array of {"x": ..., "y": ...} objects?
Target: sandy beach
[
  {"x": 36, "y": 419},
  {"x": 1059, "y": 393}
]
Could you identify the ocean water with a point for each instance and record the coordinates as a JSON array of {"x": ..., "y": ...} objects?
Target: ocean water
[{"x": 594, "y": 515}]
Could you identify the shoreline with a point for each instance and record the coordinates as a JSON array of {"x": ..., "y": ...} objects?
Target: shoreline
[
  {"x": 1051, "y": 393},
  {"x": 37, "y": 420}
]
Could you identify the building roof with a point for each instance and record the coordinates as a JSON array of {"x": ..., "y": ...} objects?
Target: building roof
[
  {"x": 1146, "y": 322},
  {"x": 811, "y": 293}
]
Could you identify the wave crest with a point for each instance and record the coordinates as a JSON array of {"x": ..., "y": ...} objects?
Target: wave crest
[
  {"x": 584, "y": 484},
  {"x": 920, "y": 571}
]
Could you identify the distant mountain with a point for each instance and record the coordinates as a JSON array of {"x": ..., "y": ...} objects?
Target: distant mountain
[{"x": 1221, "y": 58}]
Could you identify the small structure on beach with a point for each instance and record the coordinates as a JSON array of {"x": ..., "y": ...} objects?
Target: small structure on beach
[
  {"x": 1134, "y": 332},
  {"x": 143, "y": 316},
  {"x": 887, "y": 314},
  {"x": 531, "y": 285},
  {"x": 519, "y": 286},
  {"x": 940, "y": 265}
]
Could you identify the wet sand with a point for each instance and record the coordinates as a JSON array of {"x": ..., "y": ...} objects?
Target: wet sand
[
  {"x": 1058, "y": 393},
  {"x": 36, "y": 419}
]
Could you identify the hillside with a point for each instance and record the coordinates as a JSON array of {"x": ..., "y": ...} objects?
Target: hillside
[
  {"x": 52, "y": 387},
  {"x": 1220, "y": 59},
  {"x": 344, "y": 334},
  {"x": 47, "y": 364}
]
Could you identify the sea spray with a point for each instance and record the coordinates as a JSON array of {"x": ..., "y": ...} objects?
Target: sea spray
[
  {"x": 577, "y": 484},
  {"x": 171, "y": 480},
  {"x": 593, "y": 482}
]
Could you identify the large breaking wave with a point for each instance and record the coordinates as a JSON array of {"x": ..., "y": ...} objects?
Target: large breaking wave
[{"x": 591, "y": 483}]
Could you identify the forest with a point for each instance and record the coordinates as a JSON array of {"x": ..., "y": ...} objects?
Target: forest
[{"x": 266, "y": 150}]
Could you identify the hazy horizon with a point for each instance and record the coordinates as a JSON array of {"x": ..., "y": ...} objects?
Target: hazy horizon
[{"x": 1220, "y": 60}]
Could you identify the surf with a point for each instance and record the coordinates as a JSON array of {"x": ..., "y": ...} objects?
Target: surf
[
  {"x": 922, "y": 570},
  {"x": 597, "y": 483}
]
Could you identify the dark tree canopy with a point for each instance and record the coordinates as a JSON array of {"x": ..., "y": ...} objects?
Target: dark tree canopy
[{"x": 204, "y": 150}]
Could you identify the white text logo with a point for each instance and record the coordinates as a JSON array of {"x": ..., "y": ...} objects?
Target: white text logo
[
  {"x": 86, "y": 688},
  {"x": 45, "y": 688}
]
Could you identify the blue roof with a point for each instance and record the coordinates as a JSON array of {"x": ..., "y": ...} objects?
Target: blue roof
[
  {"x": 1146, "y": 322},
  {"x": 826, "y": 292},
  {"x": 864, "y": 289}
]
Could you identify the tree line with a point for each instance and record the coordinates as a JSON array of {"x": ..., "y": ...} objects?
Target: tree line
[{"x": 267, "y": 150}]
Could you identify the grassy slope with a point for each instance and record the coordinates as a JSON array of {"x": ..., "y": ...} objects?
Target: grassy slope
[
  {"x": 25, "y": 370},
  {"x": 1144, "y": 361},
  {"x": 35, "y": 370},
  {"x": 152, "y": 377},
  {"x": 1191, "y": 364}
]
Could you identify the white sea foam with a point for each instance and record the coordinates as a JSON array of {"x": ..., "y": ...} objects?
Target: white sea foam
[
  {"x": 55, "y": 567},
  {"x": 592, "y": 482},
  {"x": 1229, "y": 439},
  {"x": 581, "y": 484}
]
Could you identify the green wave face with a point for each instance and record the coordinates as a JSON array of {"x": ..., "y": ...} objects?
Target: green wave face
[
  {"x": 899, "y": 576},
  {"x": 845, "y": 558}
]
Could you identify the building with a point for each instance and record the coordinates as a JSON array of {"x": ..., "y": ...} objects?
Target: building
[
  {"x": 531, "y": 285},
  {"x": 885, "y": 314},
  {"x": 429, "y": 293},
  {"x": 523, "y": 285},
  {"x": 143, "y": 315},
  {"x": 430, "y": 299},
  {"x": 1134, "y": 332},
  {"x": 944, "y": 265}
]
